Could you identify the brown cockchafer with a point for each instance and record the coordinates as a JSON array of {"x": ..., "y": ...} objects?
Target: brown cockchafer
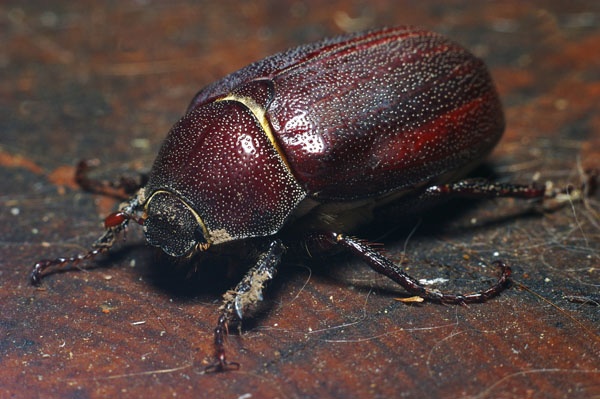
[{"x": 312, "y": 143}]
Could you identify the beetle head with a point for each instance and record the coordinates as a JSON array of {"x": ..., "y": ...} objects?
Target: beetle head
[{"x": 171, "y": 224}]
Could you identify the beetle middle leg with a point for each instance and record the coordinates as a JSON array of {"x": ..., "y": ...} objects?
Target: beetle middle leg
[
  {"x": 385, "y": 266},
  {"x": 246, "y": 294}
]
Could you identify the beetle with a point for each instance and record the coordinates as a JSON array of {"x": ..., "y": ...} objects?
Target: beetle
[{"x": 309, "y": 145}]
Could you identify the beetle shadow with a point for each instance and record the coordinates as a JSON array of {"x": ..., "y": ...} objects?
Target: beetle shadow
[
  {"x": 188, "y": 279},
  {"x": 207, "y": 275}
]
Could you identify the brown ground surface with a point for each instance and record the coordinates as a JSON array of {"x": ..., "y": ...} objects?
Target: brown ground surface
[{"x": 84, "y": 80}]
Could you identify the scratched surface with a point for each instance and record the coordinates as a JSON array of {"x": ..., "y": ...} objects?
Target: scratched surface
[{"x": 86, "y": 80}]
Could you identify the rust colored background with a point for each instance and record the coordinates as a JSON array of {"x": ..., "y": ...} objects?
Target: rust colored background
[{"x": 106, "y": 80}]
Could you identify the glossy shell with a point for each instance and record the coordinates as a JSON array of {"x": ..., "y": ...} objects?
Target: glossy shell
[
  {"x": 344, "y": 122},
  {"x": 364, "y": 114}
]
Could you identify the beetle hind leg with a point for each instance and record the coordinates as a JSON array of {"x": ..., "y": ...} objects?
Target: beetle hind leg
[
  {"x": 245, "y": 295},
  {"x": 385, "y": 266}
]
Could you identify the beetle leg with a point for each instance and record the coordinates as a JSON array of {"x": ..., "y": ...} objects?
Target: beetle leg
[
  {"x": 545, "y": 197},
  {"x": 385, "y": 266},
  {"x": 550, "y": 197},
  {"x": 122, "y": 189},
  {"x": 103, "y": 244},
  {"x": 481, "y": 188},
  {"x": 115, "y": 224},
  {"x": 246, "y": 294}
]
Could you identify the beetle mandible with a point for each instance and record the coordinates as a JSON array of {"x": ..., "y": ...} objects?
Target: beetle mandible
[{"x": 310, "y": 144}]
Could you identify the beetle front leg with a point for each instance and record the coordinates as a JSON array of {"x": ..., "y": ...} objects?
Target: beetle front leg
[
  {"x": 246, "y": 294},
  {"x": 103, "y": 244},
  {"x": 115, "y": 224},
  {"x": 385, "y": 266}
]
